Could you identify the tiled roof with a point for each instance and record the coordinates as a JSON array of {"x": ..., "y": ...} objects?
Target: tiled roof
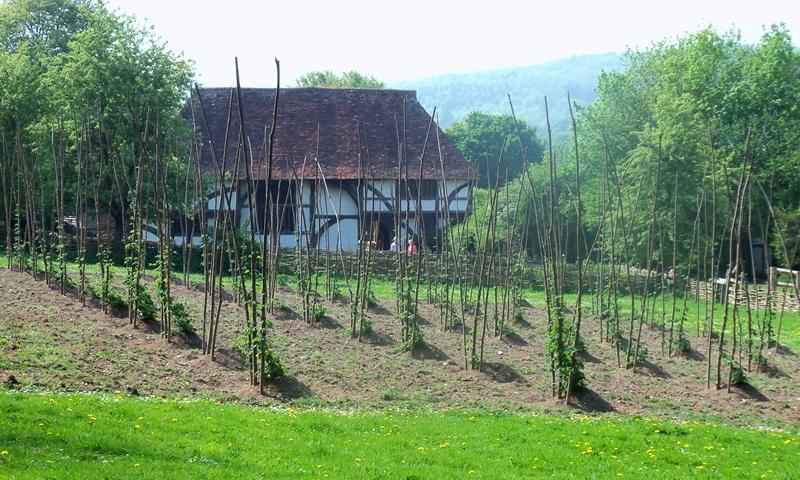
[{"x": 341, "y": 119}]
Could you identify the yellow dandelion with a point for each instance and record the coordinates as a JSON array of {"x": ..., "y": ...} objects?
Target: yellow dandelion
[
  {"x": 444, "y": 445},
  {"x": 4, "y": 453},
  {"x": 472, "y": 472},
  {"x": 137, "y": 427}
]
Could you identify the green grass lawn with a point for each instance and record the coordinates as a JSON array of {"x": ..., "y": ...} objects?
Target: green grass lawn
[
  {"x": 695, "y": 314},
  {"x": 80, "y": 436}
]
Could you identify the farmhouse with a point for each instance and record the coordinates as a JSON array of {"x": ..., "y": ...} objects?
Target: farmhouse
[{"x": 348, "y": 165}]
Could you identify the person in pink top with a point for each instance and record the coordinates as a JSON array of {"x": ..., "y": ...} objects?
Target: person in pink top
[{"x": 412, "y": 247}]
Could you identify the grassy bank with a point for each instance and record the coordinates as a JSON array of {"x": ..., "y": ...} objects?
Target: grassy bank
[{"x": 77, "y": 436}]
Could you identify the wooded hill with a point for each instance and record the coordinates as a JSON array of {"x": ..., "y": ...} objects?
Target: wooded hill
[{"x": 457, "y": 94}]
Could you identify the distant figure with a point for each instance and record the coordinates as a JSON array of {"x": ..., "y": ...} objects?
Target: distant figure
[
  {"x": 412, "y": 247},
  {"x": 393, "y": 247},
  {"x": 671, "y": 276}
]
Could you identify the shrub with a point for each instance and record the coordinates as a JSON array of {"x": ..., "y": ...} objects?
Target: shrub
[
  {"x": 114, "y": 298},
  {"x": 738, "y": 375},
  {"x": 580, "y": 345},
  {"x": 319, "y": 312},
  {"x": 273, "y": 367},
  {"x": 365, "y": 326},
  {"x": 684, "y": 346},
  {"x": 281, "y": 305},
  {"x": 180, "y": 318},
  {"x": 147, "y": 308},
  {"x": 510, "y": 331}
]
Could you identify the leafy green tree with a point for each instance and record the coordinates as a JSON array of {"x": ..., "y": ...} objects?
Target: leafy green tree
[
  {"x": 328, "y": 79},
  {"x": 480, "y": 137},
  {"x": 695, "y": 100},
  {"x": 44, "y": 26},
  {"x": 68, "y": 64}
]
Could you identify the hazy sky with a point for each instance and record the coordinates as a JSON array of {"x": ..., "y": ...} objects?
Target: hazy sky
[{"x": 406, "y": 39}]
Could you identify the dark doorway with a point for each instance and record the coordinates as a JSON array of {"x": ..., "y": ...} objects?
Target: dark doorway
[{"x": 384, "y": 236}]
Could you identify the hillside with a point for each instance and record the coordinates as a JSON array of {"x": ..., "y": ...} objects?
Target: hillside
[
  {"x": 49, "y": 342},
  {"x": 455, "y": 95}
]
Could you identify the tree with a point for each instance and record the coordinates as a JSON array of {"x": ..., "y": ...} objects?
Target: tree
[
  {"x": 73, "y": 66},
  {"x": 328, "y": 79},
  {"x": 703, "y": 98},
  {"x": 45, "y": 26},
  {"x": 480, "y": 136}
]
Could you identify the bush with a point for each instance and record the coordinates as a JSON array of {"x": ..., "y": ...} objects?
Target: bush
[
  {"x": 642, "y": 354},
  {"x": 180, "y": 318},
  {"x": 580, "y": 345},
  {"x": 147, "y": 308},
  {"x": 114, "y": 299},
  {"x": 684, "y": 346},
  {"x": 319, "y": 312},
  {"x": 510, "y": 331},
  {"x": 281, "y": 305},
  {"x": 365, "y": 326},
  {"x": 738, "y": 375},
  {"x": 273, "y": 367}
]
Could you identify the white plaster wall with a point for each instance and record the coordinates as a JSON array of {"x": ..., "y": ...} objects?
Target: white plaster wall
[
  {"x": 334, "y": 201},
  {"x": 218, "y": 200},
  {"x": 286, "y": 240},
  {"x": 343, "y": 234}
]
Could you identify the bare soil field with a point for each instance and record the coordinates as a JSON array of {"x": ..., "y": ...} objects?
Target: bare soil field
[{"x": 51, "y": 342}]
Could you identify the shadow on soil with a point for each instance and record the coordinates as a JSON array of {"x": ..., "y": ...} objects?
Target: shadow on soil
[
  {"x": 150, "y": 326},
  {"x": 290, "y": 388},
  {"x": 379, "y": 309},
  {"x": 514, "y": 339},
  {"x": 773, "y": 371},
  {"x": 693, "y": 355},
  {"x": 329, "y": 323},
  {"x": 589, "y": 358},
  {"x": 230, "y": 358},
  {"x": 500, "y": 372},
  {"x": 646, "y": 367},
  {"x": 522, "y": 323},
  {"x": 378, "y": 339},
  {"x": 190, "y": 340},
  {"x": 588, "y": 400},
  {"x": 784, "y": 350},
  {"x": 751, "y": 392},
  {"x": 427, "y": 351}
]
